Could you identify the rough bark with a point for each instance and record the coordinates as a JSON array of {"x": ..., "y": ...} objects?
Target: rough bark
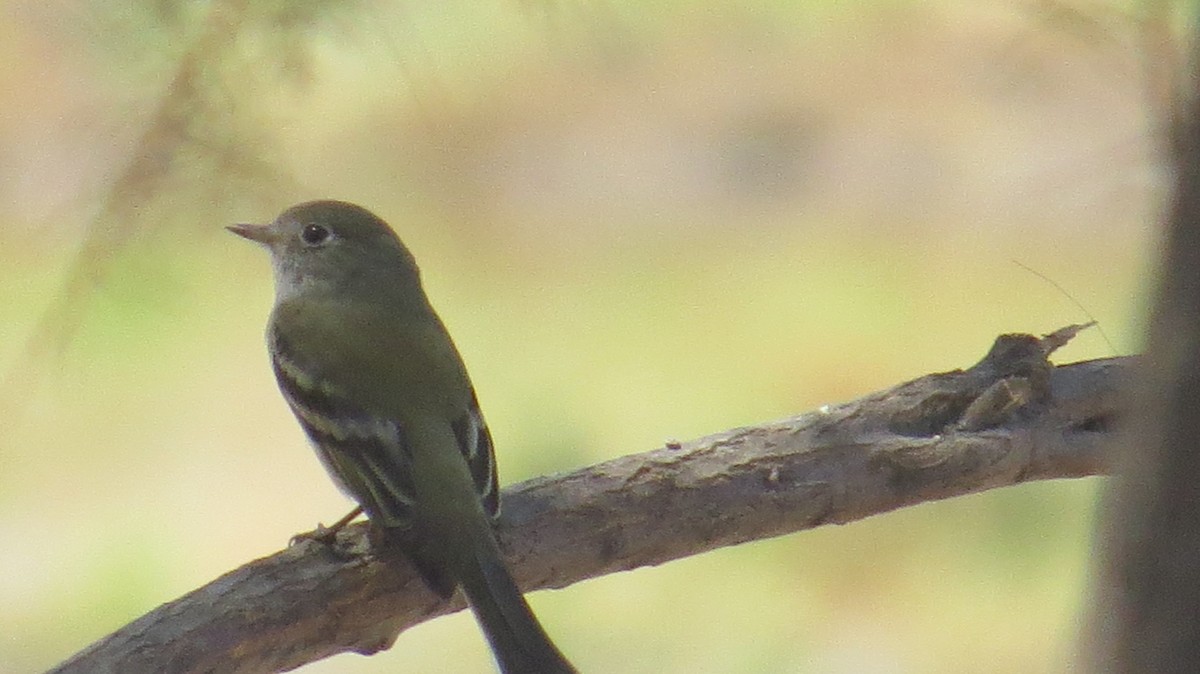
[{"x": 1011, "y": 418}]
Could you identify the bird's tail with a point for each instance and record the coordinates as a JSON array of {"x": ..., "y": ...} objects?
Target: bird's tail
[{"x": 517, "y": 639}]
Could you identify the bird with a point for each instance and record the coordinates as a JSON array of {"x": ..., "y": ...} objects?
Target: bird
[{"x": 378, "y": 386}]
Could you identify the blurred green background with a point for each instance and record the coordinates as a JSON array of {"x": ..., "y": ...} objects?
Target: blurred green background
[{"x": 640, "y": 221}]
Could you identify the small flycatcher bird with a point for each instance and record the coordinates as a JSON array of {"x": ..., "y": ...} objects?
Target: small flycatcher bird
[{"x": 370, "y": 372}]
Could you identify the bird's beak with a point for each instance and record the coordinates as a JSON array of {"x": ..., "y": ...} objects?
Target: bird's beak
[{"x": 259, "y": 233}]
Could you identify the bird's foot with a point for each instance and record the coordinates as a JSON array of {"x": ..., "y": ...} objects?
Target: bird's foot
[{"x": 323, "y": 534}]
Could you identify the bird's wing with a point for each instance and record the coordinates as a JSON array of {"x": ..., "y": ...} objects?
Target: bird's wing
[
  {"x": 364, "y": 452},
  {"x": 475, "y": 443}
]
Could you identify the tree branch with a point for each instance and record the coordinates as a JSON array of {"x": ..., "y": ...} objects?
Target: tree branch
[{"x": 1011, "y": 418}]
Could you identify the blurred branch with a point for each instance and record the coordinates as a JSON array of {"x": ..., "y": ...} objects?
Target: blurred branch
[
  {"x": 1011, "y": 418},
  {"x": 201, "y": 146}
]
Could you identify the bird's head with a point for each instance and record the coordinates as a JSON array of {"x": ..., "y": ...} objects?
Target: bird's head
[{"x": 333, "y": 247}]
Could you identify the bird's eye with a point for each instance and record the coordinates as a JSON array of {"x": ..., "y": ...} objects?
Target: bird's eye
[{"x": 315, "y": 235}]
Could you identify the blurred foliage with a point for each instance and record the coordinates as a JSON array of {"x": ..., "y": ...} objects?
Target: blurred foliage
[{"x": 641, "y": 221}]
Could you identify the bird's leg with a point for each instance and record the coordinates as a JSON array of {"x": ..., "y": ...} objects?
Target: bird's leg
[{"x": 327, "y": 534}]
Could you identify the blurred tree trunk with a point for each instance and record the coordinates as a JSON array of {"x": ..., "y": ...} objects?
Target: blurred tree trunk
[{"x": 1146, "y": 613}]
